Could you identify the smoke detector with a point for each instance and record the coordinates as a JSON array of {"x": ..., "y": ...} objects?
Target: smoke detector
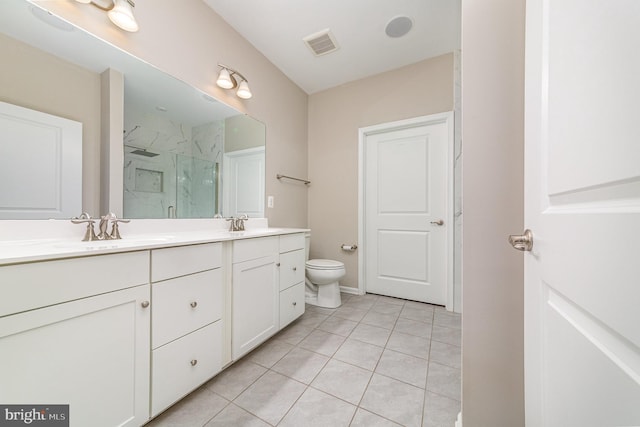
[{"x": 321, "y": 43}]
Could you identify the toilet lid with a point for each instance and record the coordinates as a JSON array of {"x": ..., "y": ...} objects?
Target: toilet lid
[{"x": 324, "y": 264}]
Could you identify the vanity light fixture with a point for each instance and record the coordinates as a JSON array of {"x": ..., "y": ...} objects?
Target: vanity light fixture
[
  {"x": 120, "y": 12},
  {"x": 228, "y": 79}
]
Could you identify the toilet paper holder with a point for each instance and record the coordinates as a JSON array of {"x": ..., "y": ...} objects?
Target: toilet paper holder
[{"x": 348, "y": 248}]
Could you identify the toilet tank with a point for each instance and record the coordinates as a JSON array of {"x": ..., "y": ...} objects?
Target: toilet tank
[{"x": 307, "y": 245}]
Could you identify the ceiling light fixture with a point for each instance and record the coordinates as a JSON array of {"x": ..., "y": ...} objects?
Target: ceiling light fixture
[
  {"x": 120, "y": 12},
  {"x": 228, "y": 79}
]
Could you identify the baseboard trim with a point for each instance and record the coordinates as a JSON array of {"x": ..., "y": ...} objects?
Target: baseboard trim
[{"x": 350, "y": 290}]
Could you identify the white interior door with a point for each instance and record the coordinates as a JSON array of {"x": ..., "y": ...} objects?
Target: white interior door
[
  {"x": 406, "y": 210},
  {"x": 243, "y": 186},
  {"x": 582, "y": 175},
  {"x": 40, "y": 164}
]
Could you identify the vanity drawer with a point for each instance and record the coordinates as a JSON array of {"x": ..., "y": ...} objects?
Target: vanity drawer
[
  {"x": 248, "y": 249},
  {"x": 291, "y": 242},
  {"x": 184, "y": 304},
  {"x": 173, "y": 262},
  {"x": 40, "y": 284},
  {"x": 291, "y": 268},
  {"x": 182, "y": 365},
  {"x": 291, "y": 304}
]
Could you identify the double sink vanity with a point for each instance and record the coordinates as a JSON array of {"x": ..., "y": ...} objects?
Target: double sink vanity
[{"x": 122, "y": 329}]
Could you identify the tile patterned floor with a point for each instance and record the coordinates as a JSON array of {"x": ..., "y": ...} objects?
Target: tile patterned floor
[{"x": 375, "y": 361}]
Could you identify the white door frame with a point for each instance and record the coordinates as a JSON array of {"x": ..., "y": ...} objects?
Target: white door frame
[{"x": 363, "y": 133}]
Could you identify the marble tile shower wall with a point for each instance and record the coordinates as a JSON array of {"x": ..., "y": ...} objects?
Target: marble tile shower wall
[
  {"x": 457, "y": 172},
  {"x": 183, "y": 174}
]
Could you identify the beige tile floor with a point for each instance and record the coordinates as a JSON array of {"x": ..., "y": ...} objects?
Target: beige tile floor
[{"x": 375, "y": 361}]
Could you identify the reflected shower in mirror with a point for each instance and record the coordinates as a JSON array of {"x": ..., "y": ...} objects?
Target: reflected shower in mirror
[{"x": 176, "y": 145}]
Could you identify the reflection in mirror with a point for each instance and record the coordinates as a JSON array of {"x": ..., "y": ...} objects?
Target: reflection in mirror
[
  {"x": 173, "y": 166},
  {"x": 175, "y": 138}
]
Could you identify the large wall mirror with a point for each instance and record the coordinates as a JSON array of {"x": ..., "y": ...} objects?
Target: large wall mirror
[{"x": 185, "y": 155}]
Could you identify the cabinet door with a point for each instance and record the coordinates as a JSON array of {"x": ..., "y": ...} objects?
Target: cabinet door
[
  {"x": 291, "y": 304},
  {"x": 255, "y": 304},
  {"x": 291, "y": 268},
  {"x": 92, "y": 354},
  {"x": 185, "y": 304},
  {"x": 182, "y": 365}
]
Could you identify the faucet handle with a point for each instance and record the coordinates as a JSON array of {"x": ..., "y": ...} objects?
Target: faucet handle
[
  {"x": 241, "y": 219},
  {"x": 115, "y": 231},
  {"x": 85, "y": 218},
  {"x": 234, "y": 223}
]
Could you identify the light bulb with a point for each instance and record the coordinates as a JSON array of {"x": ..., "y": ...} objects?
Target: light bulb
[
  {"x": 225, "y": 80},
  {"x": 122, "y": 15},
  {"x": 243, "y": 90}
]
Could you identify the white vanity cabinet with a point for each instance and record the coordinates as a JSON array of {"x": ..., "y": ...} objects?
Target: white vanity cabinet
[
  {"x": 76, "y": 332},
  {"x": 292, "y": 274},
  {"x": 186, "y": 326},
  {"x": 255, "y": 304}
]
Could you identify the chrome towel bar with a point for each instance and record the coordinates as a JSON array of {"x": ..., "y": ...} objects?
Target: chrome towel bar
[{"x": 295, "y": 179}]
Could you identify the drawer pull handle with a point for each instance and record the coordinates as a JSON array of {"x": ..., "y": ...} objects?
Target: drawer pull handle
[
  {"x": 295, "y": 303},
  {"x": 194, "y": 362},
  {"x": 144, "y": 304},
  {"x": 194, "y": 304}
]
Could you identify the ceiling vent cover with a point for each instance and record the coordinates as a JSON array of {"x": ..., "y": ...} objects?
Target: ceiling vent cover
[{"x": 322, "y": 42}]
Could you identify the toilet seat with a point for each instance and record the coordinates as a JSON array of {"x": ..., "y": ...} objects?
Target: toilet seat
[{"x": 324, "y": 264}]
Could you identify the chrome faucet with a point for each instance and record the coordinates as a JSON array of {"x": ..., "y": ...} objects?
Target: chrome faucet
[
  {"x": 241, "y": 219},
  {"x": 104, "y": 223},
  {"x": 115, "y": 231},
  {"x": 237, "y": 223},
  {"x": 103, "y": 234}
]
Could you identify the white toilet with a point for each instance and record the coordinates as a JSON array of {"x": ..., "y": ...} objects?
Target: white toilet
[{"x": 322, "y": 286}]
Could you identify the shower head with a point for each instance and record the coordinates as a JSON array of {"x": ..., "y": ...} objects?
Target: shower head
[{"x": 144, "y": 153}]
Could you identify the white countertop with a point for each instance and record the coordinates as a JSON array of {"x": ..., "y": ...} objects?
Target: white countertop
[{"x": 29, "y": 241}]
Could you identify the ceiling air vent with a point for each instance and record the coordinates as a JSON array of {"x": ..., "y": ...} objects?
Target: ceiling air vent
[{"x": 321, "y": 43}]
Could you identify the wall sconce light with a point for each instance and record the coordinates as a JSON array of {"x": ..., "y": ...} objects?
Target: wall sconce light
[
  {"x": 227, "y": 80},
  {"x": 120, "y": 12}
]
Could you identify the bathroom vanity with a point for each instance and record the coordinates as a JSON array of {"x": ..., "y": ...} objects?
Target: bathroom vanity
[{"x": 121, "y": 330}]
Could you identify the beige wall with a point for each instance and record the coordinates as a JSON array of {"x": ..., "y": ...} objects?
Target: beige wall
[
  {"x": 335, "y": 115},
  {"x": 243, "y": 132},
  {"x": 187, "y": 40},
  {"x": 39, "y": 81},
  {"x": 492, "y": 134}
]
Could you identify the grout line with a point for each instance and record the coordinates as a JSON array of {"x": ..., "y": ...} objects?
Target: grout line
[{"x": 316, "y": 327}]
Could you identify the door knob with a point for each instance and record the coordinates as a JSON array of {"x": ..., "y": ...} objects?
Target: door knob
[
  {"x": 438, "y": 222},
  {"x": 522, "y": 242}
]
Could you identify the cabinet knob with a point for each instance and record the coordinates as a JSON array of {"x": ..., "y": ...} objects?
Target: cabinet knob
[
  {"x": 295, "y": 268},
  {"x": 278, "y": 264},
  {"x": 295, "y": 303},
  {"x": 194, "y": 362},
  {"x": 194, "y": 304},
  {"x": 144, "y": 304}
]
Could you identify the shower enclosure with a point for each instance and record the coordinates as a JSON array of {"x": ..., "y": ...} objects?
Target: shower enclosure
[{"x": 168, "y": 185}]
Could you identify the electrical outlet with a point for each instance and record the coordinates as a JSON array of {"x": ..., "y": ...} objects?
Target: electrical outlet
[{"x": 270, "y": 201}]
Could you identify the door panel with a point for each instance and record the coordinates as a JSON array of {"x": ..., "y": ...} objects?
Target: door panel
[
  {"x": 582, "y": 201},
  {"x": 395, "y": 261},
  {"x": 405, "y": 193},
  {"x": 403, "y": 182}
]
